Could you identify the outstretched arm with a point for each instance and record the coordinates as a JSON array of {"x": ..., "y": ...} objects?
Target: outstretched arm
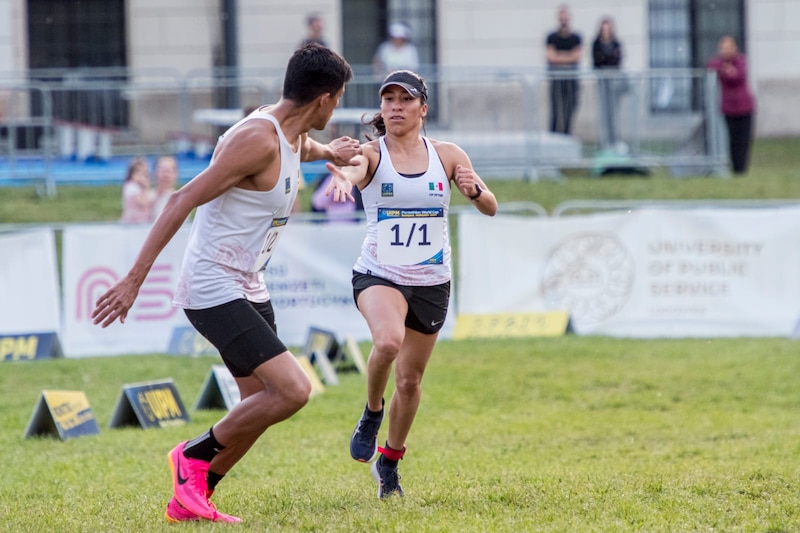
[
  {"x": 243, "y": 154},
  {"x": 339, "y": 151},
  {"x": 344, "y": 178}
]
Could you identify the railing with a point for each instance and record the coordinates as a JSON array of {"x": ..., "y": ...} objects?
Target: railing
[
  {"x": 26, "y": 149},
  {"x": 624, "y": 121}
]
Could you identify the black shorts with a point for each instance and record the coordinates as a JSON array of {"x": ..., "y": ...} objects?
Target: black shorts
[
  {"x": 427, "y": 306},
  {"x": 244, "y": 333}
]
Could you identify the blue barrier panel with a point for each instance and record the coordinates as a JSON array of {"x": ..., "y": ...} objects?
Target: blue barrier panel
[{"x": 29, "y": 346}]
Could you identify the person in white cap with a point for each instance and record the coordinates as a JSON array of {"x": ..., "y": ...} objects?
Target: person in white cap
[
  {"x": 401, "y": 280},
  {"x": 397, "y": 52}
]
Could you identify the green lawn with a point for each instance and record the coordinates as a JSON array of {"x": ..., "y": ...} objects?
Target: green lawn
[{"x": 562, "y": 435}]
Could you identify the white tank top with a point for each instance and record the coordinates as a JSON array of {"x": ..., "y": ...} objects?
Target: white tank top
[
  {"x": 407, "y": 239},
  {"x": 233, "y": 236}
]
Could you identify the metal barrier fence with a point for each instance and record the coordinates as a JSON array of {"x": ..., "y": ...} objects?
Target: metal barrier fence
[
  {"x": 26, "y": 132},
  {"x": 622, "y": 121},
  {"x": 584, "y": 207}
]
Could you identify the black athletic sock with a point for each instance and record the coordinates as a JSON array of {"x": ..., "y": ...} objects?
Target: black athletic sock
[
  {"x": 387, "y": 462},
  {"x": 213, "y": 479},
  {"x": 388, "y": 450},
  {"x": 375, "y": 414},
  {"x": 204, "y": 447}
]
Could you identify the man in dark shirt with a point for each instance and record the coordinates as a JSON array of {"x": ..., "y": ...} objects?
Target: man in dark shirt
[
  {"x": 315, "y": 27},
  {"x": 563, "y": 56}
]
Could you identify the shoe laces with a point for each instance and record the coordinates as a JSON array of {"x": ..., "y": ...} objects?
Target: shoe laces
[
  {"x": 200, "y": 478},
  {"x": 390, "y": 478},
  {"x": 368, "y": 429}
]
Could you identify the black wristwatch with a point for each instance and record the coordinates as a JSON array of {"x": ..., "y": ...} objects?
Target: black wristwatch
[{"x": 477, "y": 194}]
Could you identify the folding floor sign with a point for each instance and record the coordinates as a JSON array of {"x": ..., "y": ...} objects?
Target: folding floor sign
[
  {"x": 316, "y": 385},
  {"x": 149, "y": 404},
  {"x": 322, "y": 341},
  {"x": 326, "y": 370},
  {"x": 350, "y": 357},
  {"x": 219, "y": 390},
  {"x": 64, "y": 413}
]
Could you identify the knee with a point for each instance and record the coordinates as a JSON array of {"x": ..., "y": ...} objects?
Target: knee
[
  {"x": 296, "y": 395},
  {"x": 387, "y": 344},
  {"x": 408, "y": 385}
]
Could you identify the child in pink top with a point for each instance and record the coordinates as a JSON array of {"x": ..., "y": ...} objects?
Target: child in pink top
[{"x": 137, "y": 194}]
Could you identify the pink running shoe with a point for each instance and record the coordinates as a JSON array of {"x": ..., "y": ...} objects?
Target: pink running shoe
[
  {"x": 189, "y": 483},
  {"x": 178, "y": 513}
]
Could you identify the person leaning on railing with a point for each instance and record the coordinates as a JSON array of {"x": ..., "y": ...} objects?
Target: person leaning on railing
[
  {"x": 737, "y": 102},
  {"x": 563, "y": 54},
  {"x": 607, "y": 58}
]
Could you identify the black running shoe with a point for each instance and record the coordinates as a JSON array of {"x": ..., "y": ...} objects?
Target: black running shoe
[
  {"x": 364, "y": 442},
  {"x": 388, "y": 479}
]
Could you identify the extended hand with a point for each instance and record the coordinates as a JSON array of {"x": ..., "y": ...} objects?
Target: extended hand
[
  {"x": 116, "y": 302},
  {"x": 343, "y": 150},
  {"x": 340, "y": 187}
]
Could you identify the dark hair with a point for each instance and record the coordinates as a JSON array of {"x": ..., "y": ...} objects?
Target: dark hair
[
  {"x": 136, "y": 163},
  {"x": 314, "y": 70},
  {"x": 610, "y": 22},
  {"x": 412, "y": 82},
  {"x": 313, "y": 17}
]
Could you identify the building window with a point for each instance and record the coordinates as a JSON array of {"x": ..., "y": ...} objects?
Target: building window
[
  {"x": 684, "y": 35},
  {"x": 65, "y": 36},
  {"x": 365, "y": 25}
]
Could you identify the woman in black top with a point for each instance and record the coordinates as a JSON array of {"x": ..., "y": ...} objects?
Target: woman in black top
[{"x": 607, "y": 55}]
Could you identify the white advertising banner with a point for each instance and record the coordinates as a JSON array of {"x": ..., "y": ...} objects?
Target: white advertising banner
[
  {"x": 94, "y": 258},
  {"x": 646, "y": 273},
  {"x": 308, "y": 279},
  {"x": 29, "y": 294}
]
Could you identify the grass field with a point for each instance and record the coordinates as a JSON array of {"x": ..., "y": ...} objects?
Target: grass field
[
  {"x": 574, "y": 434},
  {"x": 562, "y": 435}
]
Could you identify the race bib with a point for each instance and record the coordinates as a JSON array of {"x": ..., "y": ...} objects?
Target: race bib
[
  {"x": 270, "y": 241},
  {"x": 410, "y": 236}
]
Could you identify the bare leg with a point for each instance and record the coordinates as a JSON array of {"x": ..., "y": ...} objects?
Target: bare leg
[
  {"x": 276, "y": 390},
  {"x": 409, "y": 369},
  {"x": 384, "y": 309}
]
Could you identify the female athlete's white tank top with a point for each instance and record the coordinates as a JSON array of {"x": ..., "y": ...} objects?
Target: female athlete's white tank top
[
  {"x": 233, "y": 236},
  {"x": 407, "y": 238}
]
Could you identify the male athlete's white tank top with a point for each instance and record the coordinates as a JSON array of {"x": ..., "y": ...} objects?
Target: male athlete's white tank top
[
  {"x": 233, "y": 236},
  {"x": 407, "y": 238}
]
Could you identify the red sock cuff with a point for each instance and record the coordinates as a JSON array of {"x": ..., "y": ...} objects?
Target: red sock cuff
[{"x": 391, "y": 453}]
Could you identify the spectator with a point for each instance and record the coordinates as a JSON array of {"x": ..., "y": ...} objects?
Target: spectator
[
  {"x": 607, "y": 57},
  {"x": 166, "y": 172},
  {"x": 137, "y": 194},
  {"x": 321, "y": 202},
  {"x": 396, "y": 53},
  {"x": 315, "y": 28},
  {"x": 737, "y": 102},
  {"x": 563, "y": 56}
]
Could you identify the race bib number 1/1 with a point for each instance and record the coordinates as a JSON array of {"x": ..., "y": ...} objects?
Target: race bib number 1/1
[
  {"x": 270, "y": 241},
  {"x": 410, "y": 236}
]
